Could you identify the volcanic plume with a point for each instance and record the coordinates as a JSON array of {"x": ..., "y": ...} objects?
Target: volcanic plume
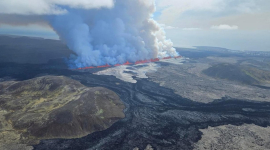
[{"x": 114, "y": 35}]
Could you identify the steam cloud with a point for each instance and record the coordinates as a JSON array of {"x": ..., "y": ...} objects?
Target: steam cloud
[{"x": 124, "y": 32}]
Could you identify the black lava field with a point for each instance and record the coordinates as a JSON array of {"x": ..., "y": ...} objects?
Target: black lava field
[{"x": 154, "y": 114}]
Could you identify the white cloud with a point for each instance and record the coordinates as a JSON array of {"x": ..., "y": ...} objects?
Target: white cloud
[
  {"x": 173, "y": 12},
  {"x": 170, "y": 27},
  {"x": 172, "y": 9},
  {"x": 167, "y": 27},
  {"x": 190, "y": 4},
  {"x": 191, "y": 29},
  {"x": 44, "y": 7},
  {"x": 225, "y": 27},
  {"x": 258, "y": 21}
]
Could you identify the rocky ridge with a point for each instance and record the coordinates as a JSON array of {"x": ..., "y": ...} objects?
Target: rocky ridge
[{"x": 52, "y": 107}]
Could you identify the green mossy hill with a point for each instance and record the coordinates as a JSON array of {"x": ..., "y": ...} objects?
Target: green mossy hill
[
  {"x": 244, "y": 74},
  {"x": 54, "y": 107},
  {"x": 260, "y": 75}
]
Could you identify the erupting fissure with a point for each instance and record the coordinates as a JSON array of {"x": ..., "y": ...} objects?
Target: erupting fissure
[
  {"x": 126, "y": 31},
  {"x": 128, "y": 63}
]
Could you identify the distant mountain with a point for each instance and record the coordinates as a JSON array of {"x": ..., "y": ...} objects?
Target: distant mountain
[
  {"x": 20, "y": 49},
  {"x": 209, "y": 48},
  {"x": 205, "y": 51}
]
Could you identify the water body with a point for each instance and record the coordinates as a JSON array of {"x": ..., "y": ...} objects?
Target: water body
[{"x": 154, "y": 114}]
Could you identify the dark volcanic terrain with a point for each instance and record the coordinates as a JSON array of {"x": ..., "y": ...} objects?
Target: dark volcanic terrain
[{"x": 154, "y": 114}]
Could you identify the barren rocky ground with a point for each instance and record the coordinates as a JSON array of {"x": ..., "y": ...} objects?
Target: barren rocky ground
[
  {"x": 229, "y": 137},
  {"x": 188, "y": 81}
]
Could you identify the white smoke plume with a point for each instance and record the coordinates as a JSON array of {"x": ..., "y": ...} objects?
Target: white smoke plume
[
  {"x": 124, "y": 32},
  {"x": 99, "y": 31}
]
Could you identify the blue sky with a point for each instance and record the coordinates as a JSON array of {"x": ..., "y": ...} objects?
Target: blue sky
[{"x": 234, "y": 24}]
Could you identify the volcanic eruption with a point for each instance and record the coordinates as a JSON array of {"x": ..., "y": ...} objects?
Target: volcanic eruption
[{"x": 112, "y": 35}]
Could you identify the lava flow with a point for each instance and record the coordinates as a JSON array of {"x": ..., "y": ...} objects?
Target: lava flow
[{"x": 128, "y": 63}]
